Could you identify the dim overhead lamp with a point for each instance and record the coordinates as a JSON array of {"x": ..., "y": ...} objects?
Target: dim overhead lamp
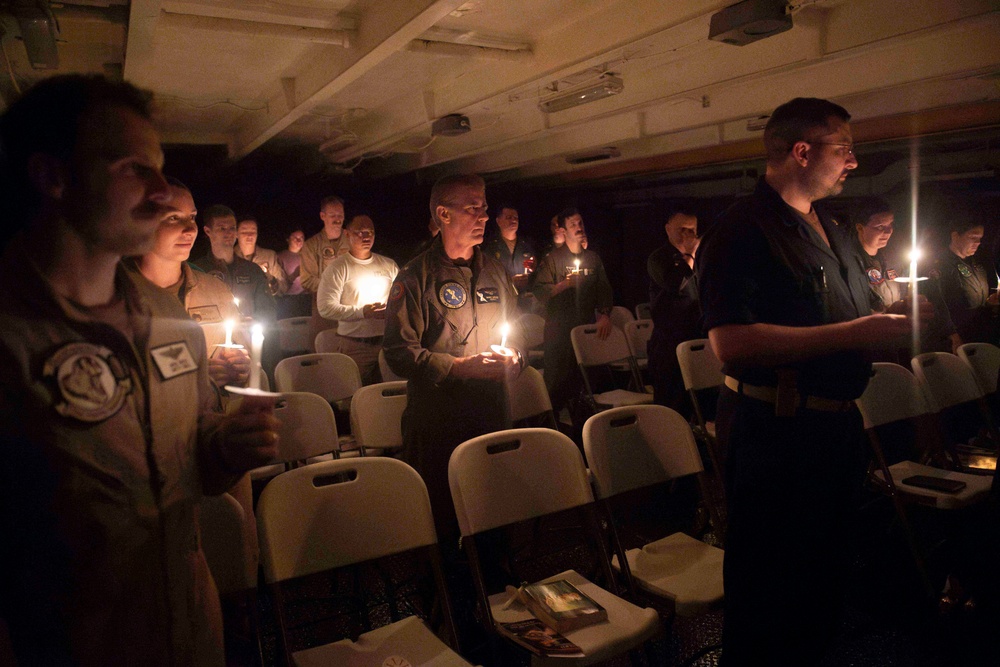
[{"x": 607, "y": 86}]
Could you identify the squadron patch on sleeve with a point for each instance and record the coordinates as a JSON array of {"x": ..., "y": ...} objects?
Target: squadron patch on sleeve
[
  {"x": 452, "y": 295},
  {"x": 173, "y": 359},
  {"x": 875, "y": 277},
  {"x": 965, "y": 271},
  {"x": 92, "y": 382},
  {"x": 396, "y": 291}
]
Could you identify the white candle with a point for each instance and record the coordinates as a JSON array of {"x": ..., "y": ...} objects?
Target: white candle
[
  {"x": 576, "y": 263},
  {"x": 504, "y": 330},
  {"x": 229, "y": 333},
  {"x": 256, "y": 346},
  {"x": 372, "y": 290},
  {"x": 236, "y": 301}
]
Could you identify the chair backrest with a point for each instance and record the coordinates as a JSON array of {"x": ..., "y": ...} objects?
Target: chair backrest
[
  {"x": 620, "y": 315},
  {"x": 510, "y": 476},
  {"x": 984, "y": 360},
  {"x": 592, "y": 351},
  {"x": 532, "y": 328},
  {"x": 221, "y": 521},
  {"x": 643, "y": 311},
  {"x": 295, "y": 335},
  {"x": 893, "y": 394},
  {"x": 376, "y": 415},
  {"x": 331, "y": 375},
  {"x": 336, "y": 513},
  {"x": 637, "y": 334},
  {"x": 528, "y": 395},
  {"x": 700, "y": 368},
  {"x": 308, "y": 427},
  {"x": 386, "y": 372},
  {"x": 945, "y": 379},
  {"x": 632, "y": 447},
  {"x": 326, "y": 341}
]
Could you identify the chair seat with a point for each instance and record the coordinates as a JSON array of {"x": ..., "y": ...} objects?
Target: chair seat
[
  {"x": 627, "y": 625},
  {"x": 404, "y": 643},
  {"x": 617, "y": 398},
  {"x": 977, "y": 487},
  {"x": 681, "y": 569}
]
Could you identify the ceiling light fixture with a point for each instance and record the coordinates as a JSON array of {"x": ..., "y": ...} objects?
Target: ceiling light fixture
[{"x": 608, "y": 85}]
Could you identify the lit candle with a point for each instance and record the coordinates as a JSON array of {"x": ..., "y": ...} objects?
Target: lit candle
[
  {"x": 372, "y": 290},
  {"x": 576, "y": 263},
  {"x": 229, "y": 333},
  {"x": 236, "y": 301},
  {"x": 256, "y": 346},
  {"x": 504, "y": 330}
]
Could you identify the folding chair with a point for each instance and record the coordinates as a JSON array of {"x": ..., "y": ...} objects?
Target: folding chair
[
  {"x": 352, "y": 515},
  {"x": 952, "y": 390},
  {"x": 530, "y": 404},
  {"x": 295, "y": 336},
  {"x": 592, "y": 352},
  {"x": 326, "y": 341},
  {"x": 643, "y": 311},
  {"x": 620, "y": 315},
  {"x": 532, "y": 329},
  {"x": 385, "y": 371},
  {"x": 307, "y": 433},
  {"x": 376, "y": 416},
  {"x": 332, "y": 375},
  {"x": 895, "y": 410},
  {"x": 984, "y": 360},
  {"x": 637, "y": 334},
  {"x": 224, "y": 540},
  {"x": 640, "y": 446},
  {"x": 702, "y": 370},
  {"x": 501, "y": 480}
]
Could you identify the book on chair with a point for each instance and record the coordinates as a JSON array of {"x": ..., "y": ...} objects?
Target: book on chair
[
  {"x": 561, "y": 605},
  {"x": 540, "y": 639}
]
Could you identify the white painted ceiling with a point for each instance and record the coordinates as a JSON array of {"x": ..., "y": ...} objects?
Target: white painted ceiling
[{"x": 361, "y": 81}]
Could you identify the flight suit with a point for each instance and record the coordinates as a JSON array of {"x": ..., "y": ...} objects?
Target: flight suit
[
  {"x": 316, "y": 254},
  {"x": 438, "y": 310},
  {"x": 965, "y": 289},
  {"x": 268, "y": 262},
  {"x": 792, "y": 472},
  {"x": 247, "y": 281},
  {"x": 109, "y": 444}
]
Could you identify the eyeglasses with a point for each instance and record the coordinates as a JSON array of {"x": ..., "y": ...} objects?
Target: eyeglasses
[{"x": 849, "y": 147}]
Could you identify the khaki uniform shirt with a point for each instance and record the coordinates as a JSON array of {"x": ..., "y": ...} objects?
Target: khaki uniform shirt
[
  {"x": 106, "y": 454},
  {"x": 317, "y": 253},
  {"x": 267, "y": 260}
]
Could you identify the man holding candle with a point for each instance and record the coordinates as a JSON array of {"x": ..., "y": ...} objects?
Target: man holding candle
[
  {"x": 446, "y": 308},
  {"x": 206, "y": 299},
  {"x": 572, "y": 286},
  {"x": 106, "y": 421},
  {"x": 353, "y": 291},
  {"x": 787, "y": 310}
]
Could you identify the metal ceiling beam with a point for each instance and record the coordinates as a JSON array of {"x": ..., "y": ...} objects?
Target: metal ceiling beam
[{"x": 386, "y": 28}]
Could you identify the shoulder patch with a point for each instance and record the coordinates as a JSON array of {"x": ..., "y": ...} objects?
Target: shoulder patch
[
  {"x": 91, "y": 381},
  {"x": 875, "y": 277},
  {"x": 396, "y": 291}
]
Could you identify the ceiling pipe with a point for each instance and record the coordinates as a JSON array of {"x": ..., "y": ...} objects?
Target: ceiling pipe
[
  {"x": 255, "y": 29},
  {"x": 466, "y": 50}
]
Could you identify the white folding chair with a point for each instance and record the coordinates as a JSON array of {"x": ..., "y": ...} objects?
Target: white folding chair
[
  {"x": 332, "y": 375},
  {"x": 620, "y": 315},
  {"x": 383, "y": 367},
  {"x": 295, "y": 336},
  {"x": 638, "y": 446},
  {"x": 532, "y": 328},
  {"x": 341, "y": 513},
  {"x": 529, "y": 400},
  {"x": 984, "y": 360},
  {"x": 953, "y": 391},
  {"x": 637, "y": 334},
  {"x": 326, "y": 341},
  {"x": 593, "y": 352},
  {"x": 307, "y": 433},
  {"x": 643, "y": 311},
  {"x": 700, "y": 370},
  {"x": 376, "y": 416},
  {"x": 509, "y": 477}
]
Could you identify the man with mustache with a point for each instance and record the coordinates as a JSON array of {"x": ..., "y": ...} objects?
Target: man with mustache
[
  {"x": 101, "y": 562},
  {"x": 787, "y": 310}
]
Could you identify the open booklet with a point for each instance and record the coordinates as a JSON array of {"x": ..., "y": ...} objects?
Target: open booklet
[{"x": 540, "y": 639}]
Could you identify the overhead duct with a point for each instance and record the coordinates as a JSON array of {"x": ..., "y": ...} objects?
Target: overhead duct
[
  {"x": 750, "y": 21},
  {"x": 255, "y": 29}
]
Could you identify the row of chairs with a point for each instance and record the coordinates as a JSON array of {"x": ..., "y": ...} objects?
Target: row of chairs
[{"x": 333, "y": 514}]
